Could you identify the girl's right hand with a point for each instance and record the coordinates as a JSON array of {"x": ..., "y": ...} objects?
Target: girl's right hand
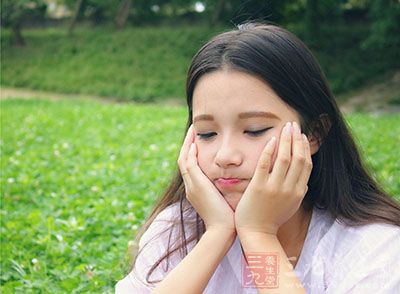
[{"x": 201, "y": 192}]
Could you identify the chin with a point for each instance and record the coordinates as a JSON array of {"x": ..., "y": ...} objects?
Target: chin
[
  {"x": 233, "y": 206},
  {"x": 232, "y": 200}
]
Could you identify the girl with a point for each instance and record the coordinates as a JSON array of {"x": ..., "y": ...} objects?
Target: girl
[{"x": 271, "y": 195}]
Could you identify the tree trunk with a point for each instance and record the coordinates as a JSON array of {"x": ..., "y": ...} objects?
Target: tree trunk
[
  {"x": 217, "y": 12},
  {"x": 16, "y": 35},
  {"x": 123, "y": 13},
  {"x": 312, "y": 21},
  {"x": 77, "y": 10}
]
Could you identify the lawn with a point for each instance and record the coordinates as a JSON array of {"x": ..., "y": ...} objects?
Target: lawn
[
  {"x": 79, "y": 177},
  {"x": 150, "y": 63}
]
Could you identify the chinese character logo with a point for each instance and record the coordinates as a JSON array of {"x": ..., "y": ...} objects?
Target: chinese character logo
[{"x": 261, "y": 270}]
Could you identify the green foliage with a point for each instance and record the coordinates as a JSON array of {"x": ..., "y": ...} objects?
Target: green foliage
[
  {"x": 78, "y": 179},
  {"x": 100, "y": 11},
  {"x": 13, "y": 12},
  {"x": 137, "y": 64},
  {"x": 345, "y": 62},
  {"x": 150, "y": 63},
  {"x": 385, "y": 30}
]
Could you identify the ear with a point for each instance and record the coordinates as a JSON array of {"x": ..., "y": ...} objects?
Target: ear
[{"x": 319, "y": 130}]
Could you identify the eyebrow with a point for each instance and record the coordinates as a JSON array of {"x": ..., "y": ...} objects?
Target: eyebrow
[{"x": 242, "y": 115}]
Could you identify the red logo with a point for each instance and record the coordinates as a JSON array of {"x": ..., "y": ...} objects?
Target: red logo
[{"x": 261, "y": 270}]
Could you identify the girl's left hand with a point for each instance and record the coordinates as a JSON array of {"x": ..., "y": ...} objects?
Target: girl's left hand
[{"x": 271, "y": 199}]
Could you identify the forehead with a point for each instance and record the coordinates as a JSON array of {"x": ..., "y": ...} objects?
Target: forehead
[{"x": 228, "y": 92}]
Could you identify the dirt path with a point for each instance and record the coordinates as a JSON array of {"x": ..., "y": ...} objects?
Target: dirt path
[
  {"x": 383, "y": 97},
  {"x": 378, "y": 98},
  {"x": 10, "y": 93}
]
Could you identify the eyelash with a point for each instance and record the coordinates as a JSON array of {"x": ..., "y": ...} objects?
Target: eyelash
[{"x": 207, "y": 136}]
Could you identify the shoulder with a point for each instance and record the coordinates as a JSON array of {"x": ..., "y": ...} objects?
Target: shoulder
[
  {"x": 168, "y": 222},
  {"x": 342, "y": 240},
  {"x": 153, "y": 245},
  {"x": 356, "y": 258}
]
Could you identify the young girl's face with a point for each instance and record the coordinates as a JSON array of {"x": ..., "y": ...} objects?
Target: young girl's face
[{"x": 234, "y": 116}]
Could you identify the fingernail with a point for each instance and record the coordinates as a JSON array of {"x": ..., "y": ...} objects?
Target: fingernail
[
  {"x": 288, "y": 128},
  {"x": 272, "y": 141},
  {"x": 296, "y": 127}
]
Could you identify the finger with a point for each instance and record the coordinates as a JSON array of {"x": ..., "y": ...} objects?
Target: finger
[
  {"x": 282, "y": 161},
  {"x": 194, "y": 171},
  {"x": 297, "y": 162},
  {"x": 183, "y": 154},
  {"x": 305, "y": 175},
  {"x": 265, "y": 161},
  {"x": 195, "y": 174},
  {"x": 191, "y": 164}
]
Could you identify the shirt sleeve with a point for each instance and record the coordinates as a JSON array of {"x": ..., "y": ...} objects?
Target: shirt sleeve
[
  {"x": 370, "y": 264},
  {"x": 152, "y": 246}
]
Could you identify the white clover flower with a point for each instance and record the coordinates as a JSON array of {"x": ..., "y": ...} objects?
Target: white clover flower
[
  {"x": 153, "y": 147},
  {"x": 131, "y": 243},
  {"x": 73, "y": 222},
  {"x": 172, "y": 147}
]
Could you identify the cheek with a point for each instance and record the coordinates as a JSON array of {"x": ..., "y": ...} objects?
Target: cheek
[{"x": 204, "y": 159}]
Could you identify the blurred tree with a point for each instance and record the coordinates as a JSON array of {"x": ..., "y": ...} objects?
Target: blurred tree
[
  {"x": 98, "y": 11},
  {"x": 123, "y": 13},
  {"x": 14, "y": 12},
  {"x": 312, "y": 18},
  {"x": 216, "y": 15},
  {"x": 237, "y": 11},
  {"x": 75, "y": 15},
  {"x": 385, "y": 28}
]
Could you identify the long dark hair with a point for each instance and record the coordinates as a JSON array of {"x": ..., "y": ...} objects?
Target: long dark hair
[{"x": 340, "y": 183}]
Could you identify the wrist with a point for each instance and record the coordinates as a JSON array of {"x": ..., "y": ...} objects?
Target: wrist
[
  {"x": 266, "y": 230},
  {"x": 243, "y": 235},
  {"x": 222, "y": 232}
]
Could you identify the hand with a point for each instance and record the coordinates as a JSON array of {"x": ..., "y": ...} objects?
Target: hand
[
  {"x": 201, "y": 192},
  {"x": 271, "y": 199}
]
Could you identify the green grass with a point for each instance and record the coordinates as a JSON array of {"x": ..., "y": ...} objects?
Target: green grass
[
  {"x": 79, "y": 177},
  {"x": 150, "y": 63},
  {"x": 76, "y": 178},
  {"x": 136, "y": 64}
]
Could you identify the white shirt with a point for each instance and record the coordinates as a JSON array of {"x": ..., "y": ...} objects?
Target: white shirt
[{"x": 335, "y": 259}]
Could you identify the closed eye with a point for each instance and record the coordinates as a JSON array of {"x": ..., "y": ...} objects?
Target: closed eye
[
  {"x": 257, "y": 133},
  {"x": 207, "y": 136}
]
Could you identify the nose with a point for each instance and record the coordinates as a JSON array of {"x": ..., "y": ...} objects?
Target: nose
[{"x": 228, "y": 154}]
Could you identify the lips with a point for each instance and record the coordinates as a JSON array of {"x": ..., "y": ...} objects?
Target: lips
[{"x": 227, "y": 182}]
